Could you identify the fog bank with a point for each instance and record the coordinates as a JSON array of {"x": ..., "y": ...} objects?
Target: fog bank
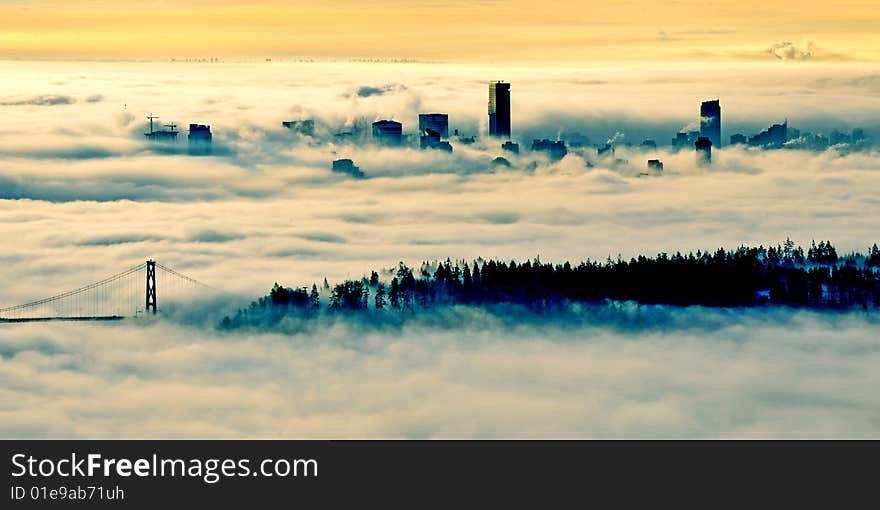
[{"x": 700, "y": 373}]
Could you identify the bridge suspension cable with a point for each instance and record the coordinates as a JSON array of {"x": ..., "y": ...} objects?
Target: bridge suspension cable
[
  {"x": 111, "y": 298},
  {"x": 74, "y": 292},
  {"x": 185, "y": 277}
]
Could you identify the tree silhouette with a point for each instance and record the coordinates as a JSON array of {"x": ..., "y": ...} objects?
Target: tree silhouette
[
  {"x": 314, "y": 298},
  {"x": 380, "y": 301},
  {"x": 745, "y": 276}
]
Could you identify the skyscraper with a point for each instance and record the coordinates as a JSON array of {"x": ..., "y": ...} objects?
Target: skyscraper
[
  {"x": 703, "y": 147},
  {"x": 388, "y": 132},
  {"x": 439, "y": 122},
  {"x": 499, "y": 109},
  {"x": 710, "y": 121},
  {"x": 773, "y": 137},
  {"x": 200, "y": 139}
]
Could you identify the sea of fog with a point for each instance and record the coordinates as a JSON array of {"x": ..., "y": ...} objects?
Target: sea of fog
[
  {"x": 83, "y": 196},
  {"x": 639, "y": 372}
]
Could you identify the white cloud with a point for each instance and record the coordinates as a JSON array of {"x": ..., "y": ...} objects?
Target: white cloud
[
  {"x": 787, "y": 50},
  {"x": 700, "y": 373}
]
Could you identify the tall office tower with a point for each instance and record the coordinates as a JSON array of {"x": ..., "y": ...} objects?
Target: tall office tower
[
  {"x": 680, "y": 141},
  {"x": 710, "y": 121},
  {"x": 200, "y": 139},
  {"x": 703, "y": 147},
  {"x": 438, "y": 122},
  {"x": 739, "y": 139},
  {"x": 388, "y": 133},
  {"x": 499, "y": 109}
]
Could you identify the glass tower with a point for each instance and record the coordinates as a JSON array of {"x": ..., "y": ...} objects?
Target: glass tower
[
  {"x": 499, "y": 109},
  {"x": 710, "y": 121}
]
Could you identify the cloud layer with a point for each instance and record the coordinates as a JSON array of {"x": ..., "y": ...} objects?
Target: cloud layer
[
  {"x": 703, "y": 373},
  {"x": 82, "y": 196}
]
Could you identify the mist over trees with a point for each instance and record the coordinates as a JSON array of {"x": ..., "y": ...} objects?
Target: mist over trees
[{"x": 778, "y": 275}]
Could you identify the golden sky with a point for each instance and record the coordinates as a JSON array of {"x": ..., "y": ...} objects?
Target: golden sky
[{"x": 447, "y": 30}]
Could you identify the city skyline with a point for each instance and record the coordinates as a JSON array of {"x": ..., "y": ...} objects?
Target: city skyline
[
  {"x": 433, "y": 133},
  {"x": 389, "y": 29}
]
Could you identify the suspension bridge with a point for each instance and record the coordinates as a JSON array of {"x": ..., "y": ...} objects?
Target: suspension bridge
[{"x": 131, "y": 293}]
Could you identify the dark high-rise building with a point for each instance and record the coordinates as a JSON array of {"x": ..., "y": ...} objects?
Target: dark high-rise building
[
  {"x": 773, "y": 137},
  {"x": 388, "y": 132},
  {"x": 738, "y": 139},
  {"x": 438, "y": 122},
  {"x": 199, "y": 138},
  {"x": 499, "y": 161},
  {"x": 703, "y": 146},
  {"x": 710, "y": 121},
  {"x": 347, "y": 166},
  {"x": 838, "y": 138},
  {"x": 680, "y": 141},
  {"x": 555, "y": 149},
  {"x": 499, "y": 109},
  {"x": 684, "y": 140},
  {"x": 510, "y": 147},
  {"x": 430, "y": 139}
]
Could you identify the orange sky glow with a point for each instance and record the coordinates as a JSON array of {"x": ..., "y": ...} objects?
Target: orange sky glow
[{"x": 443, "y": 30}]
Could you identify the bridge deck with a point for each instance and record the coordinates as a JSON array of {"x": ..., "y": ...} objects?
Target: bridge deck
[{"x": 68, "y": 319}]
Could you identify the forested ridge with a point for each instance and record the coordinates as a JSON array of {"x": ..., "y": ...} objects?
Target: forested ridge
[{"x": 780, "y": 275}]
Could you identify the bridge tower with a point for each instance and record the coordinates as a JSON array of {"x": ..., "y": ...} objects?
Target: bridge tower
[{"x": 151, "y": 286}]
